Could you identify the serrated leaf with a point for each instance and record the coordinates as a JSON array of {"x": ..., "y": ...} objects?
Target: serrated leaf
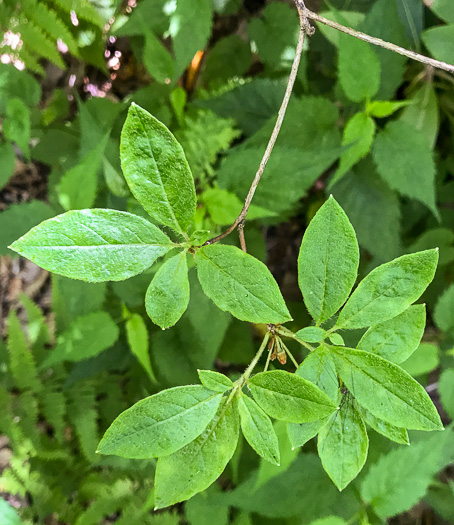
[
  {"x": 311, "y": 334},
  {"x": 404, "y": 160},
  {"x": 137, "y": 336},
  {"x": 358, "y": 136},
  {"x": 94, "y": 245},
  {"x": 396, "y": 339},
  {"x": 215, "y": 381},
  {"x": 359, "y": 69},
  {"x": 160, "y": 425},
  {"x": 156, "y": 170},
  {"x": 386, "y": 390},
  {"x": 258, "y": 430},
  {"x": 289, "y": 397},
  {"x": 240, "y": 284},
  {"x": 343, "y": 444},
  {"x": 389, "y": 290},
  {"x": 444, "y": 310},
  {"x": 168, "y": 294},
  {"x": 87, "y": 337},
  {"x": 196, "y": 466},
  {"x": 396, "y": 434},
  {"x": 328, "y": 261}
]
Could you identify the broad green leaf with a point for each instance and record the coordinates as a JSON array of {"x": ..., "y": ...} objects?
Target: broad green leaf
[
  {"x": 16, "y": 125},
  {"x": 396, "y": 339},
  {"x": 137, "y": 336},
  {"x": 446, "y": 391},
  {"x": 444, "y": 310},
  {"x": 160, "y": 425},
  {"x": 404, "y": 160},
  {"x": 396, "y": 434},
  {"x": 359, "y": 69},
  {"x": 358, "y": 136},
  {"x": 386, "y": 390},
  {"x": 258, "y": 430},
  {"x": 87, "y": 336},
  {"x": 444, "y": 9},
  {"x": 94, "y": 245},
  {"x": 343, "y": 443},
  {"x": 399, "y": 479},
  {"x": 422, "y": 113},
  {"x": 156, "y": 170},
  {"x": 156, "y": 57},
  {"x": 311, "y": 334},
  {"x": 289, "y": 397},
  {"x": 385, "y": 108},
  {"x": 196, "y": 466},
  {"x": 215, "y": 381},
  {"x": 300, "y": 433},
  {"x": 168, "y": 294},
  {"x": 439, "y": 41},
  {"x": 240, "y": 284},
  {"x": 7, "y": 161},
  {"x": 389, "y": 290},
  {"x": 328, "y": 261},
  {"x": 422, "y": 361}
]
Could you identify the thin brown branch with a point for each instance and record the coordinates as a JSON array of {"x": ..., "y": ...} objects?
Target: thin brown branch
[{"x": 376, "y": 41}]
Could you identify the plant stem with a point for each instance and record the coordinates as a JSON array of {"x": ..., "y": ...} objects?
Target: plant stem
[
  {"x": 254, "y": 362},
  {"x": 281, "y": 330},
  {"x": 294, "y": 361}
]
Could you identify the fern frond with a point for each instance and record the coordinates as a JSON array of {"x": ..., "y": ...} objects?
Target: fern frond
[
  {"x": 82, "y": 414},
  {"x": 83, "y": 9},
  {"x": 38, "y": 332},
  {"x": 34, "y": 38},
  {"x": 21, "y": 361},
  {"x": 30, "y": 61},
  {"x": 25, "y": 412},
  {"x": 53, "y": 407}
]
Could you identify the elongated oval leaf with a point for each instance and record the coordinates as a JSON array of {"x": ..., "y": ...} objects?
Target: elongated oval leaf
[
  {"x": 240, "y": 284},
  {"x": 289, "y": 397},
  {"x": 386, "y": 390},
  {"x": 396, "y": 434},
  {"x": 343, "y": 444},
  {"x": 215, "y": 381},
  {"x": 396, "y": 339},
  {"x": 300, "y": 433},
  {"x": 94, "y": 245},
  {"x": 389, "y": 290},
  {"x": 311, "y": 334},
  {"x": 137, "y": 336},
  {"x": 156, "y": 170},
  {"x": 258, "y": 430},
  {"x": 196, "y": 466},
  {"x": 168, "y": 294},
  {"x": 160, "y": 425},
  {"x": 328, "y": 261}
]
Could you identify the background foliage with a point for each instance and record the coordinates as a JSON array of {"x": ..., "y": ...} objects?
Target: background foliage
[{"x": 370, "y": 127}]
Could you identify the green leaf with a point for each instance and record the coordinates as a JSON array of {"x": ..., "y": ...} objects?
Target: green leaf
[
  {"x": 359, "y": 69},
  {"x": 156, "y": 170},
  {"x": 422, "y": 113},
  {"x": 444, "y": 9},
  {"x": 289, "y": 397},
  {"x": 423, "y": 360},
  {"x": 337, "y": 339},
  {"x": 16, "y": 125},
  {"x": 156, "y": 57},
  {"x": 168, "y": 294},
  {"x": 404, "y": 160},
  {"x": 343, "y": 444},
  {"x": 311, "y": 334},
  {"x": 350, "y": 18},
  {"x": 330, "y": 520},
  {"x": 446, "y": 391},
  {"x": 359, "y": 135},
  {"x": 8, "y": 514},
  {"x": 386, "y": 390},
  {"x": 258, "y": 430},
  {"x": 160, "y": 425},
  {"x": 196, "y": 466},
  {"x": 396, "y": 339},
  {"x": 87, "y": 336},
  {"x": 215, "y": 381},
  {"x": 94, "y": 245},
  {"x": 399, "y": 479},
  {"x": 389, "y": 290},
  {"x": 385, "y": 108},
  {"x": 444, "y": 310},
  {"x": 240, "y": 284},
  {"x": 396, "y": 434},
  {"x": 7, "y": 162},
  {"x": 300, "y": 433},
  {"x": 137, "y": 336},
  {"x": 328, "y": 261},
  {"x": 439, "y": 41}
]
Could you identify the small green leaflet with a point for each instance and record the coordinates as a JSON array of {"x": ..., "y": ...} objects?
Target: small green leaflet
[
  {"x": 160, "y": 425},
  {"x": 343, "y": 443},
  {"x": 156, "y": 170},
  {"x": 311, "y": 334},
  {"x": 240, "y": 284},
  {"x": 258, "y": 430},
  {"x": 94, "y": 245},
  {"x": 396, "y": 339},
  {"x": 386, "y": 390},
  {"x": 137, "y": 336},
  {"x": 328, "y": 261},
  {"x": 389, "y": 290},
  {"x": 168, "y": 294},
  {"x": 289, "y": 397},
  {"x": 385, "y": 108},
  {"x": 215, "y": 381},
  {"x": 396, "y": 434},
  {"x": 16, "y": 125},
  {"x": 196, "y": 466}
]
